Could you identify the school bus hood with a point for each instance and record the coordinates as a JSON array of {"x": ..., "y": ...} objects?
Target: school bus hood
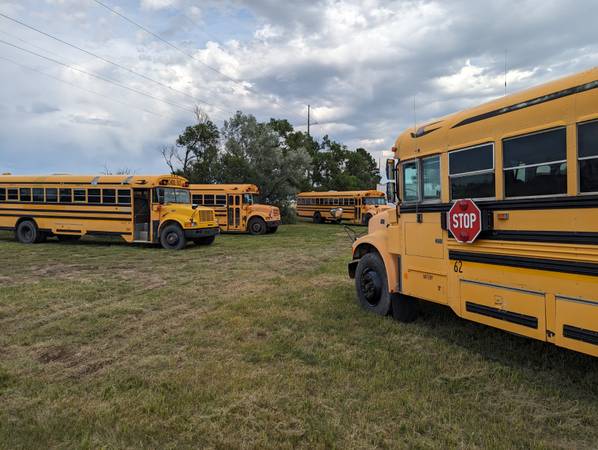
[{"x": 267, "y": 211}]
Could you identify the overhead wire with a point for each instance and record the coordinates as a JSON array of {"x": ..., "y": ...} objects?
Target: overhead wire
[
  {"x": 244, "y": 85},
  {"x": 41, "y": 72},
  {"x": 106, "y": 60},
  {"x": 99, "y": 77}
]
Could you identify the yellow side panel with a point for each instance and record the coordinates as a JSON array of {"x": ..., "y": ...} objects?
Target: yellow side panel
[
  {"x": 428, "y": 286},
  {"x": 424, "y": 239},
  {"x": 512, "y": 309},
  {"x": 577, "y": 324}
]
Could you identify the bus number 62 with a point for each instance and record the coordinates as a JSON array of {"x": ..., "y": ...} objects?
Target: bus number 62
[{"x": 458, "y": 267}]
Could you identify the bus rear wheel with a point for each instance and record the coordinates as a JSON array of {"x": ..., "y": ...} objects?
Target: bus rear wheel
[
  {"x": 257, "y": 226},
  {"x": 208, "y": 240},
  {"x": 172, "y": 237},
  {"x": 28, "y": 233},
  {"x": 371, "y": 284}
]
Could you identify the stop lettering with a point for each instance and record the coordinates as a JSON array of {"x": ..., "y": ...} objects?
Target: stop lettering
[{"x": 465, "y": 221}]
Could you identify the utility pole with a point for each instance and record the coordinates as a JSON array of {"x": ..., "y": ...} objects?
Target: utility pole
[{"x": 308, "y": 119}]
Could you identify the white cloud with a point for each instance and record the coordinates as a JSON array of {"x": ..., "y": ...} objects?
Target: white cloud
[{"x": 158, "y": 4}]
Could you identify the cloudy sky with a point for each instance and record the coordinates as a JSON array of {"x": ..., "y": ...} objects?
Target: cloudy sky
[{"x": 362, "y": 65}]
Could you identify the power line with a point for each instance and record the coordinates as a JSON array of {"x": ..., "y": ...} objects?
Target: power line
[
  {"x": 32, "y": 69},
  {"x": 120, "y": 66},
  {"x": 170, "y": 44},
  {"x": 99, "y": 77}
]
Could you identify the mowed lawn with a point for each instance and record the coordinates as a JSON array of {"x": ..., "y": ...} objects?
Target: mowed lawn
[{"x": 258, "y": 342}]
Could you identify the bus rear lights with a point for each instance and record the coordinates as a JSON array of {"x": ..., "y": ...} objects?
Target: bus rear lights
[{"x": 502, "y": 216}]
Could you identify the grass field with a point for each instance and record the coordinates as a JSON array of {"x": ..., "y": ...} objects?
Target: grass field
[{"x": 258, "y": 342}]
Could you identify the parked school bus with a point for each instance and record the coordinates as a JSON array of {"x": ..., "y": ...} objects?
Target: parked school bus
[
  {"x": 356, "y": 207},
  {"x": 529, "y": 161},
  {"x": 147, "y": 209},
  {"x": 235, "y": 207}
]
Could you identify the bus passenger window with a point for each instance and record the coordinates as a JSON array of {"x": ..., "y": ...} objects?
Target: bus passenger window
[
  {"x": 109, "y": 196},
  {"x": 431, "y": 178},
  {"x": 80, "y": 195},
  {"x": 196, "y": 199},
  {"x": 587, "y": 141},
  {"x": 2, "y": 194},
  {"x": 221, "y": 200},
  {"x": 25, "y": 194},
  {"x": 52, "y": 195},
  {"x": 66, "y": 195},
  {"x": 13, "y": 194},
  {"x": 410, "y": 182},
  {"x": 471, "y": 172},
  {"x": 93, "y": 196},
  {"x": 208, "y": 200},
  {"x": 536, "y": 164},
  {"x": 38, "y": 195},
  {"x": 124, "y": 197}
]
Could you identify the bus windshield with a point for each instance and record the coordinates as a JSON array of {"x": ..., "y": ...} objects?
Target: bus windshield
[
  {"x": 374, "y": 201},
  {"x": 172, "y": 195},
  {"x": 248, "y": 199}
]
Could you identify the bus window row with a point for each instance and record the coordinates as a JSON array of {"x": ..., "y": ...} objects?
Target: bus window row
[
  {"x": 66, "y": 196},
  {"x": 209, "y": 200},
  {"x": 533, "y": 165},
  {"x": 326, "y": 201}
]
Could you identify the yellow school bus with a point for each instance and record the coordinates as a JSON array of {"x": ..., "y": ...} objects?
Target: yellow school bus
[
  {"x": 356, "y": 207},
  {"x": 235, "y": 208},
  {"x": 528, "y": 163},
  {"x": 144, "y": 209}
]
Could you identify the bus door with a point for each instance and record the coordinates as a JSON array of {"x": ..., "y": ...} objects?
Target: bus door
[
  {"x": 234, "y": 213},
  {"x": 358, "y": 202},
  {"x": 141, "y": 214},
  {"x": 423, "y": 236}
]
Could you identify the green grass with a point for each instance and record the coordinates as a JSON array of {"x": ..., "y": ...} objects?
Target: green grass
[{"x": 257, "y": 342}]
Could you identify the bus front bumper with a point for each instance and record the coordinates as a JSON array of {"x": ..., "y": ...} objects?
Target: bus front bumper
[
  {"x": 202, "y": 232},
  {"x": 272, "y": 223}
]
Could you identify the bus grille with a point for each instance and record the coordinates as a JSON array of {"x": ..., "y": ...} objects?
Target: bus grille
[{"x": 206, "y": 216}]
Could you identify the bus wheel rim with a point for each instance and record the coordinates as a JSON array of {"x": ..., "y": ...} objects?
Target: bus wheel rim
[
  {"x": 371, "y": 287},
  {"x": 172, "y": 238},
  {"x": 27, "y": 233}
]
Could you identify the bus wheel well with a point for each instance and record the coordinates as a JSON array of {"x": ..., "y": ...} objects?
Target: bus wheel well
[
  {"x": 363, "y": 249},
  {"x": 165, "y": 224},
  {"x": 23, "y": 219}
]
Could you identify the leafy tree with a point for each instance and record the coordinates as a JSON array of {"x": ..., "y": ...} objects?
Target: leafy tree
[{"x": 195, "y": 155}]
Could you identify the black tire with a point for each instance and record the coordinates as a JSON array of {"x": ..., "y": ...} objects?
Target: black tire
[
  {"x": 272, "y": 230},
  {"x": 67, "y": 238},
  {"x": 257, "y": 226},
  {"x": 318, "y": 218},
  {"x": 404, "y": 308},
  {"x": 172, "y": 237},
  {"x": 208, "y": 240},
  {"x": 371, "y": 284},
  {"x": 366, "y": 219},
  {"x": 27, "y": 232}
]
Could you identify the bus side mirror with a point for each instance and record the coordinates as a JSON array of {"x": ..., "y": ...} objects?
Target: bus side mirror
[
  {"x": 391, "y": 192},
  {"x": 390, "y": 169}
]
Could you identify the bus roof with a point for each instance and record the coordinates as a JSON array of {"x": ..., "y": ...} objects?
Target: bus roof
[
  {"x": 474, "y": 124},
  {"x": 365, "y": 193},
  {"x": 128, "y": 180},
  {"x": 241, "y": 188}
]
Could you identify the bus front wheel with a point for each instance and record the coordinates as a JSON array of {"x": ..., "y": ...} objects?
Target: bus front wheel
[
  {"x": 372, "y": 285},
  {"x": 257, "y": 226},
  {"x": 172, "y": 237},
  {"x": 28, "y": 233},
  {"x": 318, "y": 218}
]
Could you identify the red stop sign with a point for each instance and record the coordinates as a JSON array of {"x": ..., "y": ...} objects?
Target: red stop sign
[{"x": 465, "y": 221}]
